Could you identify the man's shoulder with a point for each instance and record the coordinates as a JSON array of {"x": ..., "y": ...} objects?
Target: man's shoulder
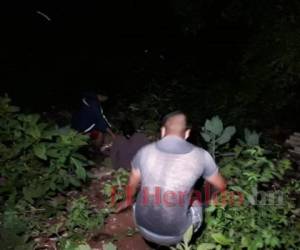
[
  {"x": 152, "y": 146},
  {"x": 195, "y": 147},
  {"x": 147, "y": 147},
  {"x": 140, "y": 155},
  {"x": 199, "y": 149},
  {"x": 201, "y": 152}
]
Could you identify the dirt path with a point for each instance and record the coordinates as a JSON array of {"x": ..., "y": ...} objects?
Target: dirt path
[{"x": 118, "y": 228}]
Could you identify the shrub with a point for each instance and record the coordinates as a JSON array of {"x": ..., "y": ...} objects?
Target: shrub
[
  {"x": 37, "y": 161},
  {"x": 215, "y": 135},
  {"x": 257, "y": 222}
]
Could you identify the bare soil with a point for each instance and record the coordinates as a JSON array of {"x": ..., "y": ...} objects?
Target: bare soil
[{"x": 118, "y": 228}]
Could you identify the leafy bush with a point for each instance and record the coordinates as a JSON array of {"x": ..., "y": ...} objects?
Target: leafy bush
[
  {"x": 215, "y": 134},
  {"x": 38, "y": 161},
  {"x": 260, "y": 221},
  {"x": 81, "y": 217},
  {"x": 75, "y": 245},
  {"x": 113, "y": 189},
  {"x": 80, "y": 220},
  {"x": 250, "y": 224},
  {"x": 185, "y": 244},
  {"x": 12, "y": 232},
  {"x": 251, "y": 138}
]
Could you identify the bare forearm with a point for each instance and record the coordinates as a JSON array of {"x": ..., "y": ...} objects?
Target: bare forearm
[
  {"x": 218, "y": 182},
  {"x": 133, "y": 184},
  {"x": 132, "y": 187}
]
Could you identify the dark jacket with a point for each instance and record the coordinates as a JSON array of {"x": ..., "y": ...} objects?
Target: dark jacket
[{"x": 90, "y": 116}]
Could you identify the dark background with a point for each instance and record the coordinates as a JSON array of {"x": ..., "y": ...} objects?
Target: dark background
[{"x": 237, "y": 60}]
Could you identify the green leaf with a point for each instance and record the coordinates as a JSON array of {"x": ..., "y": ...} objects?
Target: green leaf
[
  {"x": 74, "y": 181},
  {"x": 109, "y": 246},
  {"x": 12, "y": 222},
  {"x": 221, "y": 239},
  {"x": 188, "y": 235},
  {"x": 84, "y": 247},
  {"x": 226, "y": 135},
  {"x": 34, "y": 191},
  {"x": 180, "y": 246},
  {"x": 251, "y": 138},
  {"x": 48, "y": 134},
  {"x": 210, "y": 209},
  {"x": 205, "y": 136},
  {"x": 53, "y": 153},
  {"x": 206, "y": 246},
  {"x": 33, "y": 118},
  {"x": 245, "y": 241},
  {"x": 34, "y": 131},
  {"x": 80, "y": 171},
  {"x": 40, "y": 151},
  {"x": 215, "y": 125},
  {"x": 71, "y": 245}
]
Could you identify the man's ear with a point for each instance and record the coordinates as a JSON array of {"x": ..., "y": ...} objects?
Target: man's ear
[
  {"x": 162, "y": 132},
  {"x": 187, "y": 134}
]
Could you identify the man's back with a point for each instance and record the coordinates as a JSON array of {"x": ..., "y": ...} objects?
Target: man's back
[
  {"x": 90, "y": 116},
  {"x": 169, "y": 169}
]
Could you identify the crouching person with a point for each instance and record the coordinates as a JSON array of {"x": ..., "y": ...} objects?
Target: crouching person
[
  {"x": 166, "y": 172},
  {"x": 90, "y": 119}
]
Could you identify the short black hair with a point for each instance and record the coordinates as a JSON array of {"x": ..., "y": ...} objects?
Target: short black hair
[{"x": 170, "y": 115}]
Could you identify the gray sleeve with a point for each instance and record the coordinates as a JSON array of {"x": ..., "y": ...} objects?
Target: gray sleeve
[
  {"x": 136, "y": 161},
  {"x": 210, "y": 166}
]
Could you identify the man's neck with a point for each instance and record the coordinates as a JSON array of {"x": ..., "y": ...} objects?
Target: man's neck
[{"x": 173, "y": 135}]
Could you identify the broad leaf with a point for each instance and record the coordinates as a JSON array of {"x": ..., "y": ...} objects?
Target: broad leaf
[
  {"x": 70, "y": 245},
  {"x": 109, "y": 246},
  {"x": 34, "y": 131},
  {"x": 215, "y": 125},
  {"x": 80, "y": 171},
  {"x": 188, "y": 235},
  {"x": 40, "y": 151},
  {"x": 221, "y": 239},
  {"x": 206, "y": 246},
  {"x": 226, "y": 135},
  {"x": 205, "y": 136}
]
